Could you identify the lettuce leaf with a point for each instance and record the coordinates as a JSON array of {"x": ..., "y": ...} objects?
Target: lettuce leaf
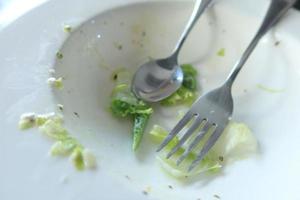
[
  {"x": 187, "y": 93},
  {"x": 237, "y": 142},
  {"x": 51, "y": 125},
  {"x": 124, "y": 104},
  {"x": 189, "y": 77},
  {"x": 140, "y": 122}
]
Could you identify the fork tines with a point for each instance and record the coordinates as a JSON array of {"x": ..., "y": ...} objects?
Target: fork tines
[{"x": 198, "y": 125}]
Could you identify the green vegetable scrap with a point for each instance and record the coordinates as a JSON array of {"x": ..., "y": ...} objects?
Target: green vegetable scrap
[
  {"x": 27, "y": 121},
  {"x": 56, "y": 83},
  {"x": 187, "y": 93},
  {"x": 221, "y": 52},
  {"x": 210, "y": 163},
  {"x": 140, "y": 122},
  {"x": 77, "y": 159},
  {"x": 59, "y": 55},
  {"x": 237, "y": 142},
  {"x": 67, "y": 28},
  {"x": 51, "y": 125},
  {"x": 125, "y": 104},
  {"x": 268, "y": 89}
]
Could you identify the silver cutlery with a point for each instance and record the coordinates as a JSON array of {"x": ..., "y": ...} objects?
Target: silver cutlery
[{"x": 212, "y": 112}]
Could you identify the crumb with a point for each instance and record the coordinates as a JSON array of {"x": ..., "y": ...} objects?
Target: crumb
[
  {"x": 198, "y": 199},
  {"x": 67, "y": 29},
  {"x": 59, "y": 55},
  {"x": 147, "y": 190},
  {"x": 217, "y": 196},
  {"x": 221, "y": 158},
  {"x": 221, "y": 52},
  {"x": 104, "y": 22},
  {"x": 277, "y": 43},
  {"x": 115, "y": 77},
  {"x": 76, "y": 114},
  {"x": 120, "y": 47},
  {"x": 170, "y": 186},
  {"x": 127, "y": 177},
  {"x": 185, "y": 176},
  {"x": 122, "y": 23},
  {"x": 245, "y": 90},
  {"x": 223, "y": 31},
  {"x": 60, "y": 107},
  {"x": 55, "y": 82},
  {"x": 144, "y": 33}
]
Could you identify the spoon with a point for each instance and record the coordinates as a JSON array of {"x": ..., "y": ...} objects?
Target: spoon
[{"x": 158, "y": 79}]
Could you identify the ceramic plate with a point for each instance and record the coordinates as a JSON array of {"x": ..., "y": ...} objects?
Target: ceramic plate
[{"x": 116, "y": 34}]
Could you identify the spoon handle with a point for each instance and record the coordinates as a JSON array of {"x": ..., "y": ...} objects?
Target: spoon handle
[
  {"x": 199, "y": 8},
  {"x": 276, "y": 11}
]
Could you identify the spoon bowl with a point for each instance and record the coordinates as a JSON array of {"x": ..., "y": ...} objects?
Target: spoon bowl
[{"x": 157, "y": 79}]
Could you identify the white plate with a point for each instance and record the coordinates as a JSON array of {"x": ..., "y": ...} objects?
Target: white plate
[{"x": 27, "y": 52}]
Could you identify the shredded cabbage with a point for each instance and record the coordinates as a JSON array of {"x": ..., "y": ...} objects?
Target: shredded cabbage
[
  {"x": 27, "y": 121},
  {"x": 125, "y": 104},
  {"x": 89, "y": 159},
  {"x": 63, "y": 147},
  {"x": 237, "y": 142},
  {"x": 56, "y": 82},
  {"x": 52, "y": 126},
  {"x": 268, "y": 89},
  {"x": 77, "y": 158},
  {"x": 187, "y": 93},
  {"x": 221, "y": 52}
]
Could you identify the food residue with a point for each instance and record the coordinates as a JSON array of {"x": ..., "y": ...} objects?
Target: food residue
[
  {"x": 51, "y": 125},
  {"x": 147, "y": 190},
  {"x": 76, "y": 114},
  {"x": 67, "y": 28},
  {"x": 118, "y": 46},
  {"x": 59, "y": 55},
  {"x": 60, "y": 107},
  {"x": 268, "y": 89},
  {"x": 221, "y": 52},
  {"x": 221, "y": 158},
  {"x": 55, "y": 82}
]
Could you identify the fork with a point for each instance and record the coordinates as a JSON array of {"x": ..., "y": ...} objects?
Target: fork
[{"x": 211, "y": 113}]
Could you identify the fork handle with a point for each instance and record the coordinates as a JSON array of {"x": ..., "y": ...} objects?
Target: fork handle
[{"x": 276, "y": 11}]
